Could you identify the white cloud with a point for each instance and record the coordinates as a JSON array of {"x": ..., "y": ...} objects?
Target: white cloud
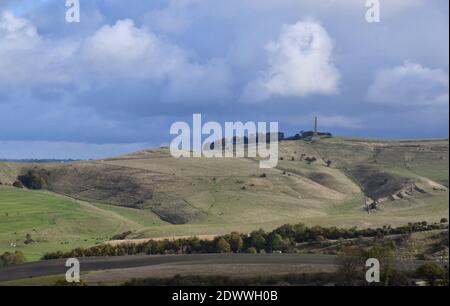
[
  {"x": 410, "y": 85},
  {"x": 299, "y": 64},
  {"x": 27, "y": 59},
  {"x": 123, "y": 50},
  {"x": 119, "y": 51},
  {"x": 17, "y": 33}
]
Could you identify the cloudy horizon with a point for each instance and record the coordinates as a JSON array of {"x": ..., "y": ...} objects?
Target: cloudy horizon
[{"x": 116, "y": 81}]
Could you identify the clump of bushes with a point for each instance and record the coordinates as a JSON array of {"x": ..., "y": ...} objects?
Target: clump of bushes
[
  {"x": 433, "y": 273},
  {"x": 34, "y": 178},
  {"x": 121, "y": 236},
  {"x": 310, "y": 160},
  {"x": 8, "y": 259},
  {"x": 351, "y": 266}
]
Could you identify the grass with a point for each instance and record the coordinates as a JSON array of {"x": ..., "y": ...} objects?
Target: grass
[
  {"x": 141, "y": 217},
  {"x": 352, "y": 206},
  {"x": 54, "y": 222}
]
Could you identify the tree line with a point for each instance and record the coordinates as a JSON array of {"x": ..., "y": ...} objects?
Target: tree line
[{"x": 283, "y": 239}]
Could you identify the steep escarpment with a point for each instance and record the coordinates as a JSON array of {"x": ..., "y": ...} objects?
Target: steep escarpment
[
  {"x": 381, "y": 185},
  {"x": 97, "y": 182}
]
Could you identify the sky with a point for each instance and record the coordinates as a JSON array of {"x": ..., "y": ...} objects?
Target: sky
[{"x": 116, "y": 81}]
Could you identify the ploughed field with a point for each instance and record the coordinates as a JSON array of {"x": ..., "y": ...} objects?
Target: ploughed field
[
  {"x": 151, "y": 194},
  {"x": 123, "y": 268}
]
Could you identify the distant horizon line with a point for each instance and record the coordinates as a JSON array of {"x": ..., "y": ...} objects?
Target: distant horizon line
[{"x": 73, "y": 159}]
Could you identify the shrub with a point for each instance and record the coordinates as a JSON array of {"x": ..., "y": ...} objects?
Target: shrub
[
  {"x": 34, "y": 179},
  {"x": 350, "y": 262},
  {"x": 394, "y": 277},
  {"x": 8, "y": 259},
  {"x": 121, "y": 236},
  {"x": 28, "y": 239},
  {"x": 310, "y": 160},
  {"x": 431, "y": 272},
  {"x": 252, "y": 250},
  {"x": 18, "y": 184}
]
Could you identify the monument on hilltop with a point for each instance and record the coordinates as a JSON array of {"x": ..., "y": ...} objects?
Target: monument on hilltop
[{"x": 315, "y": 136}]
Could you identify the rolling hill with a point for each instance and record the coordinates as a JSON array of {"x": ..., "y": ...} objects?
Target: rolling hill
[{"x": 152, "y": 194}]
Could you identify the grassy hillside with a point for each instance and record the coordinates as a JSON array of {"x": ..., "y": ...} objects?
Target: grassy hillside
[
  {"x": 9, "y": 172},
  {"x": 57, "y": 223},
  {"x": 155, "y": 195}
]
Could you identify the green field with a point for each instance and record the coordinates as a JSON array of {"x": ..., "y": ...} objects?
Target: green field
[{"x": 59, "y": 223}]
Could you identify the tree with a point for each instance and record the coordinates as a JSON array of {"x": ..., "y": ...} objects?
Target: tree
[
  {"x": 19, "y": 258},
  {"x": 431, "y": 271},
  {"x": 275, "y": 242},
  {"x": 258, "y": 240},
  {"x": 222, "y": 246},
  {"x": 286, "y": 231},
  {"x": 350, "y": 264},
  {"x": 382, "y": 253},
  {"x": 391, "y": 276},
  {"x": 236, "y": 242},
  {"x": 300, "y": 231}
]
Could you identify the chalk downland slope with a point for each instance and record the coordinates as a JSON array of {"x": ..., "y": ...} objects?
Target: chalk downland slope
[{"x": 194, "y": 196}]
